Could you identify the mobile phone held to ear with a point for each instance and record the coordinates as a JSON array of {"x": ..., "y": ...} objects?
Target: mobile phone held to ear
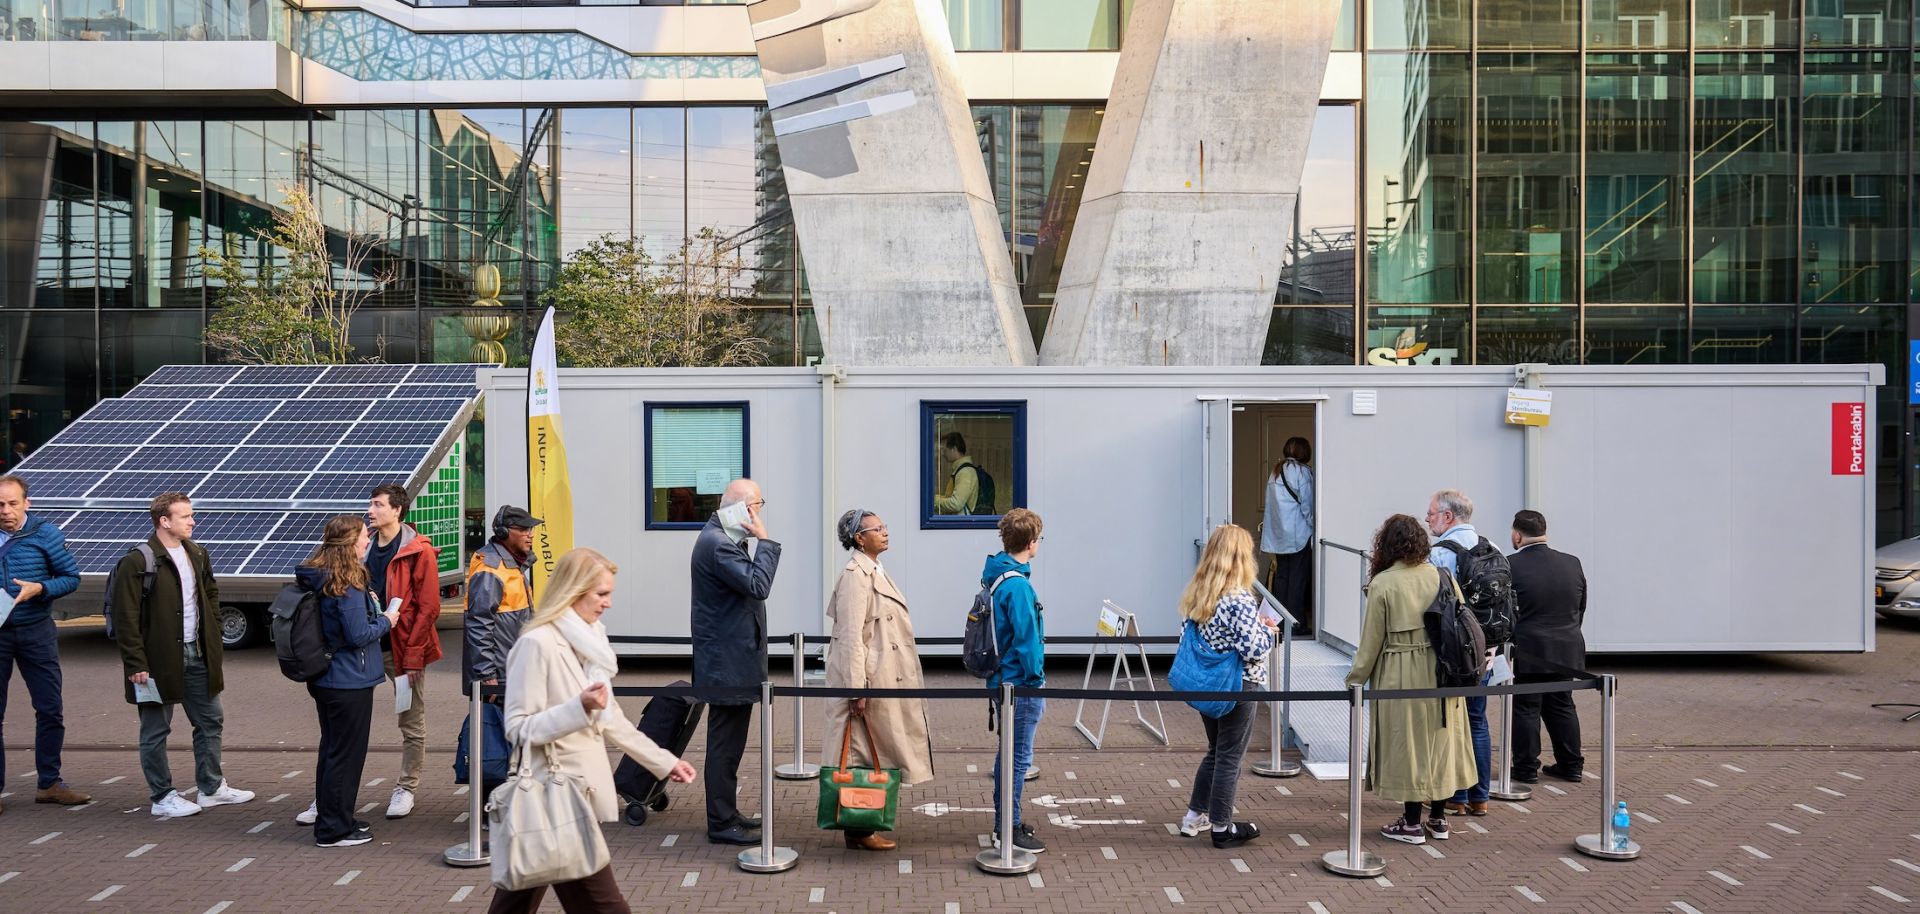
[{"x": 734, "y": 518}]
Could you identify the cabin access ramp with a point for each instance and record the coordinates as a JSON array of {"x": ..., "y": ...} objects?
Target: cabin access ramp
[{"x": 1319, "y": 728}]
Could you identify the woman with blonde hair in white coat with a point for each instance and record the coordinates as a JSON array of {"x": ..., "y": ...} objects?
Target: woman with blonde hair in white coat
[{"x": 559, "y": 694}]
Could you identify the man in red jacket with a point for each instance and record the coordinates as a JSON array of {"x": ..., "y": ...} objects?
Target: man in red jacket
[{"x": 404, "y": 569}]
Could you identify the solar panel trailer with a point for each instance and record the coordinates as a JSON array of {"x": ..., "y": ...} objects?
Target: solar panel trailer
[{"x": 268, "y": 453}]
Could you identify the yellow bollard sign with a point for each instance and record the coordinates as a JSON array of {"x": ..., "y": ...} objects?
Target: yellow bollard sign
[{"x": 1529, "y": 407}]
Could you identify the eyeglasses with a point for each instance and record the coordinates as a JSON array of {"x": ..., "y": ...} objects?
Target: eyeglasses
[
  {"x": 757, "y": 504},
  {"x": 880, "y": 529}
]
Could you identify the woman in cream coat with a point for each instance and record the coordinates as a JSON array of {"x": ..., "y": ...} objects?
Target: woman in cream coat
[
  {"x": 559, "y": 694},
  {"x": 873, "y": 649}
]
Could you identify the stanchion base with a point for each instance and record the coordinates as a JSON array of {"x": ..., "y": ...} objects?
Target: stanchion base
[
  {"x": 991, "y": 861},
  {"x": 1366, "y": 867},
  {"x": 1033, "y": 773},
  {"x": 792, "y": 772},
  {"x": 461, "y": 855},
  {"x": 1512, "y": 794},
  {"x": 1592, "y": 847},
  {"x": 1285, "y": 769},
  {"x": 755, "y": 860}
]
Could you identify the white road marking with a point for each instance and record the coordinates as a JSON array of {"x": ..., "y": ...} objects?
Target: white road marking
[
  {"x": 1317, "y": 907},
  {"x": 279, "y": 796},
  {"x": 1686, "y": 908},
  {"x": 1736, "y": 769},
  {"x": 237, "y": 867},
  {"x": 216, "y": 909},
  {"x": 1171, "y": 782},
  {"x": 1776, "y": 825},
  {"x": 1556, "y": 791},
  {"x": 1299, "y": 840},
  {"x": 141, "y": 850},
  {"x": 669, "y": 840},
  {"x": 1108, "y": 853},
  {"x": 985, "y": 840},
  {"x": 906, "y": 867},
  {"x": 1527, "y": 893},
  {"x": 49, "y": 836},
  {"x": 1517, "y": 807},
  {"x": 973, "y": 769},
  {"x": 1072, "y": 777},
  {"x": 1240, "y": 865},
  {"x": 8, "y": 875},
  {"x": 1283, "y": 791},
  {"x": 114, "y": 780},
  {"x": 460, "y": 818},
  {"x": 1477, "y": 827},
  {"x": 376, "y": 782},
  {"x": 1830, "y": 791},
  {"x": 1763, "y": 855},
  {"x": 461, "y": 895},
  {"x": 289, "y": 775},
  {"x": 369, "y": 807},
  {"x": 1899, "y": 898},
  {"x": 1704, "y": 782},
  {"x": 1903, "y": 864},
  {"x": 348, "y": 877},
  {"x": 460, "y": 791},
  {"x": 107, "y": 892},
  {"x": 1850, "y": 775},
  {"x": 690, "y": 880},
  {"x": 1679, "y": 799},
  {"x": 1383, "y": 881},
  {"x": 1433, "y": 852},
  {"x": 816, "y": 895},
  {"x": 1573, "y": 864},
  {"x": 1173, "y": 828},
  {"x": 1034, "y": 880},
  {"x": 1724, "y": 877},
  {"x": 953, "y": 907},
  {"x": 258, "y": 828},
  {"x": 80, "y": 807},
  {"x": 1173, "y": 895},
  {"x": 1808, "y": 809},
  {"x": 1646, "y": 817}
]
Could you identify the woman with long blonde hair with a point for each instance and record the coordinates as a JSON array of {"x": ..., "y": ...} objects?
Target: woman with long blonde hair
[
  {"x": 559, "y": 694},
  {"x": 1219, "y": 601}
]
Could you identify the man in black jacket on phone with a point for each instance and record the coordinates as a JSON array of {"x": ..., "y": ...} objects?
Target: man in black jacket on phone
[{"x": 730, "y": 588}]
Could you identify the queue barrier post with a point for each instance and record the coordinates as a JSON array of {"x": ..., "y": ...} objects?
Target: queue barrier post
[
  {"x": 767, "y": 858},
  {"x": 799, "y": 770},
  {"x": 1354, "y": 861},
  {"x": 1503, "y": 786},
  {"x": 1008, "y": 860},
  {"x": 1602, "y": 845},
  {"x": 1277, "y": 764},
  {"x": 473, "y": 851}
]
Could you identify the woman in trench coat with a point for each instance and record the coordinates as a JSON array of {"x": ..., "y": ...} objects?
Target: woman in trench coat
[
  {"x": 873, "y": 648},
  {"x": 1419, "y": 749}
]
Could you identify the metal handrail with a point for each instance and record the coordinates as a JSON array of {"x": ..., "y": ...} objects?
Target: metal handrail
[
  {"x": 1330, "y": 544},
  {"x": 1277, "y": 765}
]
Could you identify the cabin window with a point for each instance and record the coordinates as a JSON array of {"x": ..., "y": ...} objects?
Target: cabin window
[
  {"x": 692, "y": 451},
  {"x": 973, "y": 462}
]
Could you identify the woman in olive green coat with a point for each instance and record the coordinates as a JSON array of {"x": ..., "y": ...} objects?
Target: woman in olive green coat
[{"x": 1419, "y": 750}]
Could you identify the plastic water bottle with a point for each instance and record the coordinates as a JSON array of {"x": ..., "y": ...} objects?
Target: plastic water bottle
[{"x": 1621, "y": 823}]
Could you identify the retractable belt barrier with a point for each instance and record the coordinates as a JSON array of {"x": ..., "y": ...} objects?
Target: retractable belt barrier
[{"x": 1008, "y": 860}]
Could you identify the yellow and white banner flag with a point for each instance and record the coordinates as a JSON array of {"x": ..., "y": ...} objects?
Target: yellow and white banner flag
[{"x": 549, "y": 494}]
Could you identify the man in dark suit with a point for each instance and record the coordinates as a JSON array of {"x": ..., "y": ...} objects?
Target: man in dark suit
[
  {"x": 1550, "y": 591},
  {"x": 730, "y": 587}
]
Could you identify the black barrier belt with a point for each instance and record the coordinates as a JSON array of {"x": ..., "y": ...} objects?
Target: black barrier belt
[
  {"x": 710, "y": 693},
  {"x": 940, "y": 641}
]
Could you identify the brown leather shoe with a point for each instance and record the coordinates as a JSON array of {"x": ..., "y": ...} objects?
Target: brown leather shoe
[
  {"x": 870, "y": 843},
  {"x": 62, "y": 794},
  {"x": 1466, "y": 809}
]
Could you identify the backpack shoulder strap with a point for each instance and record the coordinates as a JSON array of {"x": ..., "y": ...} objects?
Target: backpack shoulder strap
[
  {"x": 1458, "y": 550},
  {"x": 1001, "y": 579}
]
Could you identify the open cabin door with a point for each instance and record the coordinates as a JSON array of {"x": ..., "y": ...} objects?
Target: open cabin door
[{"x": 1216, "y": 468}]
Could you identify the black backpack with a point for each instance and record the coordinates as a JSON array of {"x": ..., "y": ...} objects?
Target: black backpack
[
  {"x": 980, "y": 648},
  {"x": 299, "y": 640},
  {"x": 1459, "y": 649},
  {"x": 983, "y": 501},
  {"x": 146, "y": 583},
  {"x": 1487, "y": 582}
]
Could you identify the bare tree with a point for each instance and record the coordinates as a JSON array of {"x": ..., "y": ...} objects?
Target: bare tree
[{"x": 293, "y": 304}]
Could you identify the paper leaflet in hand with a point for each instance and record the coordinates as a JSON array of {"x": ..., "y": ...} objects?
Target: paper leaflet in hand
[
  {"x": 146, "y": 693},
  {"x": 402, "y": 693},
  {"x": 1501, "y": 672},
  {"x": 6, "y": 606}
]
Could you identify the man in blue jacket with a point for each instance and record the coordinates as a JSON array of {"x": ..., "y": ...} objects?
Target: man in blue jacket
[
  {"x": 1018, "y": 633},
  {"x": 35, "y": 570}
]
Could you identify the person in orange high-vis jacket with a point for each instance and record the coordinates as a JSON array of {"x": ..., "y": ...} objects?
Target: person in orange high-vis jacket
[
  {"x": 499, "y": 597},
  {"x": 404, "y": 566}
]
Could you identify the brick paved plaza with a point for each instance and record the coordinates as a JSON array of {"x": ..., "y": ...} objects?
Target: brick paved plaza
[{"x": 1762, "y": 784}]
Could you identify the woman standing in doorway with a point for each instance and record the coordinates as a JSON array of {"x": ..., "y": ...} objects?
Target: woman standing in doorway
[{"x": 1287, "y": 533}]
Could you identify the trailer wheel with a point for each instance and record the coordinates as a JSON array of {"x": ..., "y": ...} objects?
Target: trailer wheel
[
  {"x": 635, "y": 815},
  {"x": 240, "y": 627}
]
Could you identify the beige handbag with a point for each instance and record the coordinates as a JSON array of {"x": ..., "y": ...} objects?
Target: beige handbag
[{"x": 544, "y": 830}]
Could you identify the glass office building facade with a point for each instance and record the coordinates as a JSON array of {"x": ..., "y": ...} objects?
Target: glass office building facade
[{"x": 1600, "y": 182}]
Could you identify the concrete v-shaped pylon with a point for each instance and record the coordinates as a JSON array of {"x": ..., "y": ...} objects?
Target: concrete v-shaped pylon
[
  {"x": 1177, "y": 248},
  {"x": 903, "y": 247}
]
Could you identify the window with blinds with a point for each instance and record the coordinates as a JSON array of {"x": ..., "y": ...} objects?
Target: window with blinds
[{"x": 693, "y": 450}]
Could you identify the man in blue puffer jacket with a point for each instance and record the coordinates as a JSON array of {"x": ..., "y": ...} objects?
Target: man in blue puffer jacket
[
  {"x": 35, "y": 570},
  {"x": 1019, "y": 633}
]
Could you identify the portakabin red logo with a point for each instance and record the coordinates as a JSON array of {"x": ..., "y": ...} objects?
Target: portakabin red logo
[{"x": 1849, "y": 439}]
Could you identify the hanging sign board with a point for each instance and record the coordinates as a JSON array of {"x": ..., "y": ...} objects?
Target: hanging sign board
[{"x": 1526, "y": 406}]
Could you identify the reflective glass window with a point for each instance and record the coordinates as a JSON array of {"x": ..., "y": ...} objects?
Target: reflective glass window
[
  {"x": 1319, "y": 262},
  {"x": 51, "y": 354},
  {"x": 1634, "y": 235},
  {"x": 59, "y": 271},
  {"x": 1528, "y": 24},
  {"x": 595, "y": 175},
  {"x": 1510, "y": 336},
  {"x": 1743, "y": 335},
  {"x": 1744, "y": 217},
  {"x": 1529, "y": 139},
  {"x": 1746, "y": 24},
  {"x": 1309, "y": 336},
  {"x": 171, "y": 227},
  {"x": 1416, "y": 178},
  {"x": 1636, "y": 24},
  {"x": 1417, "y": 336},
  {"x": 1855, "y": 125},
  {"x": 976, "y": 25},
  {"x": 1857, "y": 23},
  {"x": 693, "y": 450},
  {"x": 1053, "y": 152},
  {"x": 1394, "y": 25},
  {"x": 1073, "y": 25},
  {"x": 115, "y": 150},
  {"x": 1865, "y": 334},
  {"x": 1636, "y": 336},
  {"x": 660, "y": 179},
  {"x": 737, "y": 191},
  {"x": 135, "y": 343},
  {"x": 973, "y": 462}
]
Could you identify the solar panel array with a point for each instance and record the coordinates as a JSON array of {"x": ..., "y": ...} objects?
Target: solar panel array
[{"x": 267, "y": 452}]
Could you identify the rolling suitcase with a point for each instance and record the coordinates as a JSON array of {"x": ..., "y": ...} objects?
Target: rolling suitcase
[{"x": 668, "y": 720}]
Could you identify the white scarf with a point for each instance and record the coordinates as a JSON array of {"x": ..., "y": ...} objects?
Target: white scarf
[{"x": 590, "y": 644}]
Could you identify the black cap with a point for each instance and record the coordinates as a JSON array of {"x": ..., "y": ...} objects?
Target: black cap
[{"x": 510, "y": 516}]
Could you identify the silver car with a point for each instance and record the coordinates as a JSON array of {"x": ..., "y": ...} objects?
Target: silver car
[{"x": 1896, "y": 579}]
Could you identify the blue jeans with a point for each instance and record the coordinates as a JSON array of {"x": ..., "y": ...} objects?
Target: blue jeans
[
  {"x": 1482, "y": 747},
  {"x": 35, "y": 647},
  {"x": 1026, "y": 717}
]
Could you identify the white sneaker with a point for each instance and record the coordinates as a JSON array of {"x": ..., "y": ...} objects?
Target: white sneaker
[
  {"x": 401, "y": 804},
  {"x": 308, "y": 817},
  {"x": 225, "y": 796},
  {"x": 1195, "y": 823},
  {"x": 173, "y": 806}
]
